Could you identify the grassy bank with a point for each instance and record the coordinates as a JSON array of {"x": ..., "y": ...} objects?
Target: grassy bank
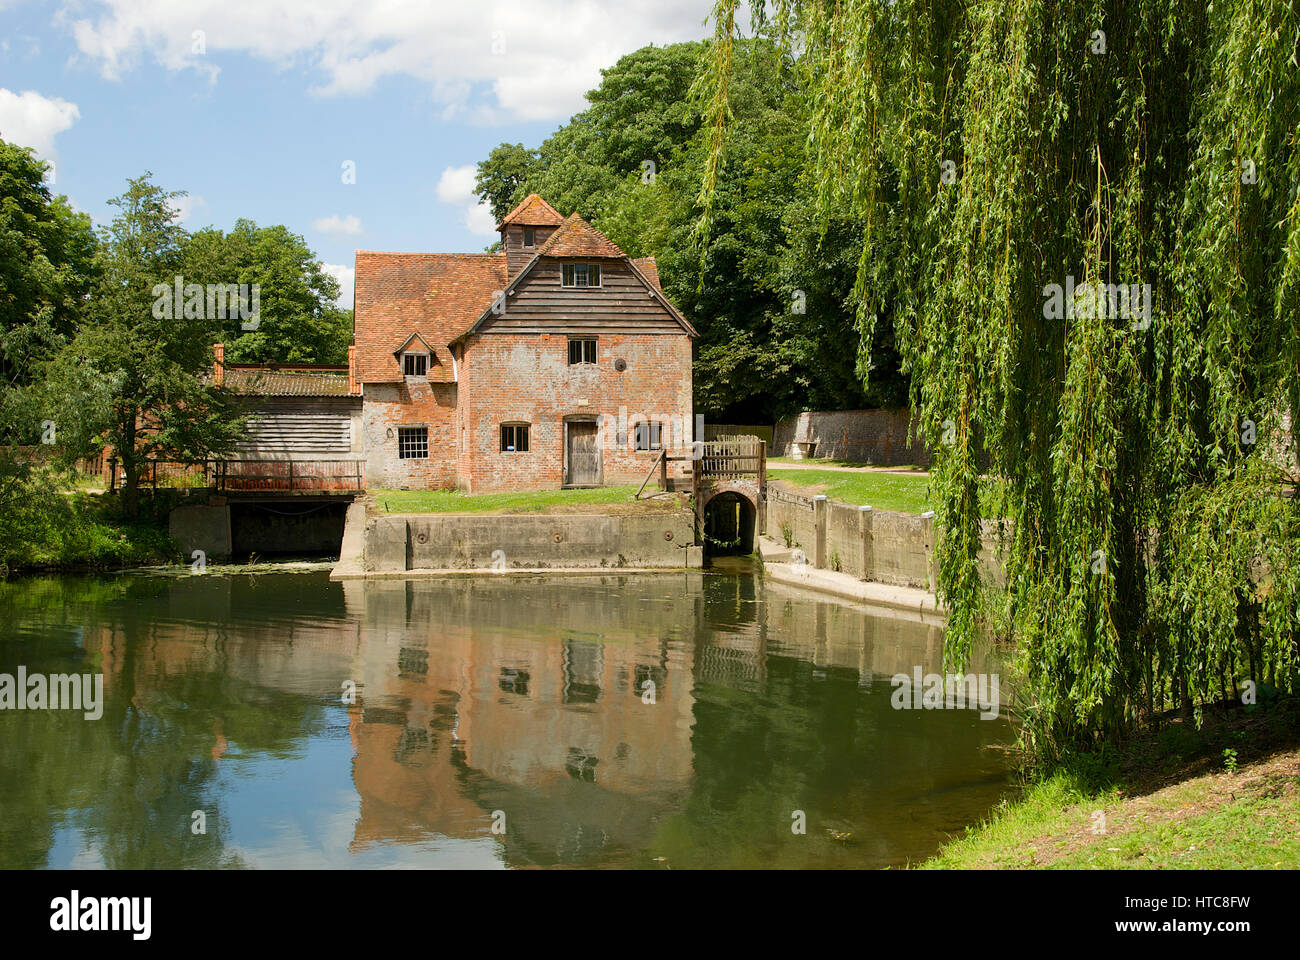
[
  {"x": 83, "y": 531},
  {"x": 904, "y": 492},
  {"x": 1227, "y": 796},
  {"x": 607, "y": 499}
]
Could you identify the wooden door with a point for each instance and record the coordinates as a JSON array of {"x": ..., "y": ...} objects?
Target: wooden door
[{"x": 583, "y": 455}]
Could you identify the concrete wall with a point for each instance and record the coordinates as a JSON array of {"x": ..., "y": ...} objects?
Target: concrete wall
[
  {"x": 458, "y": 542},
  {"x": 785, "y": 508},
  {"x": 286, "y": 527},
  {"x": 201, "y": 527},
  {"x": 882, "y": 546},
  {"x": 869, "y": 436}
]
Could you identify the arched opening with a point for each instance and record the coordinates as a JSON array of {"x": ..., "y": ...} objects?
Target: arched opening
[{"x": 729, "y": 523}]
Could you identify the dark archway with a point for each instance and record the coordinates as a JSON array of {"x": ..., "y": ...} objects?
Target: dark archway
[{"x": 730, "y": 520}]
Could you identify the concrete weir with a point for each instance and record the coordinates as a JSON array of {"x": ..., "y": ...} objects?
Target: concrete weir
[{"x": 411, "y": 545}]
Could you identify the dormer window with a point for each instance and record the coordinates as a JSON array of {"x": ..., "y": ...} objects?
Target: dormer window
[
  {"x": 581, "y": 275},
  {"x": 529, "y": 237},
  {"x": 415, "y": 365}
]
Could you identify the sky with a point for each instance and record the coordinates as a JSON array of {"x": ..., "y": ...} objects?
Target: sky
[{"x": 355, "y": 123}]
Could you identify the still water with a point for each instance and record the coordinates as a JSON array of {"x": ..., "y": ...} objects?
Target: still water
[{"x": 514, "y": 704}]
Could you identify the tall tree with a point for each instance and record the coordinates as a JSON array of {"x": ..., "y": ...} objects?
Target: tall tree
[
  {"x": 1081, "y": 220},
  {"x": 773, "y": 301},
  {"x": 47, "y": 264},
  {"x": 298, "y": 319},
  {"x": 135, "y": 375}
]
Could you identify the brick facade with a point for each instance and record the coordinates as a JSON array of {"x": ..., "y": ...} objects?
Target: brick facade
[{"x": 511, "y": 364}]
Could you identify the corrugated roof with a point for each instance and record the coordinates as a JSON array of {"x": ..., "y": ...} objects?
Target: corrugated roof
[{"x": 265, "y": 382}]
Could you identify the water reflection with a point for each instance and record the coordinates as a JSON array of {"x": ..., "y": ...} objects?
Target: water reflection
[{"x": 646, "y": 721}]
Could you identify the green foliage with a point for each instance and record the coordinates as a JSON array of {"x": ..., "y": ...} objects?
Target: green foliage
[
  {"x": 130, "y": 376},
  {"x": 298, "y": 320},
  {"x": 991, "y": 151},
  {"x": 632, "y": 164},
  {"x": 47, "y": 265},
  {"x": 42, "y": 528}
]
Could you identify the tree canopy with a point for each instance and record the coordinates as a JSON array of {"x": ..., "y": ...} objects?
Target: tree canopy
[
  {"x": 1001, "y": 157},
  {"x": 772, "y": 303}
]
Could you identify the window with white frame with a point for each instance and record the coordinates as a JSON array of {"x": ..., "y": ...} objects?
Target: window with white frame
[
  {"x": 582, "y": 350},
  {"x": 413, "y": 443}
]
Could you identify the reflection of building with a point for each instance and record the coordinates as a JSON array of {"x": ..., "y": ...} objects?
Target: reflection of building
[
  {"x": 473, "y": 689},
  {"x": 524, "y": 695}
]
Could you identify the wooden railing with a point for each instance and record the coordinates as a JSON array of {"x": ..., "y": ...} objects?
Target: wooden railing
[
  {"x": 250, "y": 476},
  {"x": 731, "y": 458}
]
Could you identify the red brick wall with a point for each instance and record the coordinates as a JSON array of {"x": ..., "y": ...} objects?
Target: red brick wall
[
  {"x": 388, "y": 406},
  {"x": 527, "y": 377}
]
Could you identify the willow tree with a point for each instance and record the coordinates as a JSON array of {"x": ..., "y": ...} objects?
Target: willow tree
[{"x": 1019, "y": 169}]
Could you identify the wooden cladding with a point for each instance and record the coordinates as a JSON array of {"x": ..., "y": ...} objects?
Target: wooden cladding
[
  {"x": 298, "y": 426},
  {"x": 621, "y": 304}
]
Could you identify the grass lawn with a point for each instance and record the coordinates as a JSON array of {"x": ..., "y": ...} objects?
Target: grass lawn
[
  {"x": 903, "y": 492},
  {"x": 1183, "y": 800},
  {"x": 451, "y": 501}
]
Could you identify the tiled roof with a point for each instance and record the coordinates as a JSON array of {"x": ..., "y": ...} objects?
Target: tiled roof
[
  {"x": 578, "y": 238},
  {"x": 649, "y": 269},
  {"x": 267, "y": 382},
  {"x": 437, "y": 295},
  {"x": 533, "y": 212}
]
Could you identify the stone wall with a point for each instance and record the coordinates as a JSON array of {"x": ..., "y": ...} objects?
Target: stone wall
[{"x": 868, "y": 436}]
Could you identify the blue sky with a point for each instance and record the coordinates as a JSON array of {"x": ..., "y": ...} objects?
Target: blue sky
[{"x": 255, "y": 106}]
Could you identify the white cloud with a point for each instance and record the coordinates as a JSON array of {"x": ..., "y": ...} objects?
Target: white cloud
[
  {"x": 347, "y": 277},
  {"x": 31, "y": 120},
  {"x": 349, "y": 225},
  {"x": 494, "y": 60},
  {"x": 188, "y": 207},
  {"x": 456, "y": 187}
]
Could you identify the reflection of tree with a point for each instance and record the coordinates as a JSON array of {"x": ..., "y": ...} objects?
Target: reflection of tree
[
  {"x": 130, "y": 780},
  {"x": 808, "y": 740}
]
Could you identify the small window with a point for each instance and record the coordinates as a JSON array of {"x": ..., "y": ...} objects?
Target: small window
[
  {"x": 581, "y": 275},
  {"x": 514, "y": 438},
  {"x": 528, "y": 236},
  {"x": 582, "y": 351},
  {"x": 649, "y": 435},
  {"x": 413, "y": 443},
  {"x": 415, "y": 364}
]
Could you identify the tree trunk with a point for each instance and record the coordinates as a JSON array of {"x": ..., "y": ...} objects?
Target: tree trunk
[{"x": 130, "y": 471}]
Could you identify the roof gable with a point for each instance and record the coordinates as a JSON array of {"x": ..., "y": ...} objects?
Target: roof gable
[
  {"x": 413, "y": 343},
  {"x": 533, "y": 211},
  {"x": 578, "y": 238}
]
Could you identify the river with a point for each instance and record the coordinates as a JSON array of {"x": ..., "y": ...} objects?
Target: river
[{"x": 657, "y": 721}]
